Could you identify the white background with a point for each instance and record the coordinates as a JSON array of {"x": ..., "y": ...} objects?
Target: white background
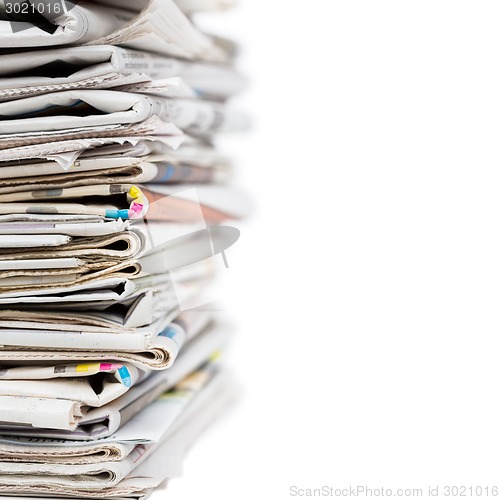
[{"x": 367, "y": 283}]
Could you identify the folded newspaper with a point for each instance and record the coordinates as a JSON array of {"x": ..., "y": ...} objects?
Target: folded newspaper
[
  {"x": 153, "y": 26},
  {"x": 119, "y": 464},
  {"x": 109, "y": 67},
  {"x": 59, "y": 417},
  {"x": 126, "y": 164},
  {"x": 76, "y": 114},
  {"x": 116, "y": 213}
]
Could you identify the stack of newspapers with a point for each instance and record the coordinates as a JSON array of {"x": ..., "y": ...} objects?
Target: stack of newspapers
[{"x": 115, "y": 214}]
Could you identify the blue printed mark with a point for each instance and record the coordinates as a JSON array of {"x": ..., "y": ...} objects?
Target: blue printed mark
[
  {"x": 168, "y": 174},
  {"x": 125, "y": 376},
  {"x": 117, "y": 214},
  {"x": 169, "y": 332}
]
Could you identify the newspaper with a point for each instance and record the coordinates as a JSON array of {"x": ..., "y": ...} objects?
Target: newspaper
[
  {"x": 155, "y": 463},
  {"x": 134, "y": 204},
  {"x": 99, "y": 422},
  {"x": 130, "y": 201},
  {"x": 115, "y": 213},
  {"x": 90, "y": 276},
  {"x": 66, "y": 152},
  {"x": 180, "y": 405},
  {"x": 107, "y": 67},
  {"x": 49, "y": 252},
  {"x": 160, "y": 168},
  {"x": 152, "y": 347},
  {"x": 161, "y": 264},
  {"x": 62, "y": 390},
  {"x": 166, "y": 462},
  {"x": 38, "y": 143},
  {"x": 106, "y": 318},
  {"x": 97, "y": 111},
  {"x": 168, "y": 333},
  {"x": 106, "y": 290},
  {"x": 153, "y": 26},
  {"x": 79, "y": 381},
  {"x": 145, "y": 428},
  {"x": 22, "y": 389}
]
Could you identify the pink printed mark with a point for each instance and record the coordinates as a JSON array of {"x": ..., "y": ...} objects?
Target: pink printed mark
[
  {"x": 108, "y": 367},
  {"x": 136, "y": 210}
]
